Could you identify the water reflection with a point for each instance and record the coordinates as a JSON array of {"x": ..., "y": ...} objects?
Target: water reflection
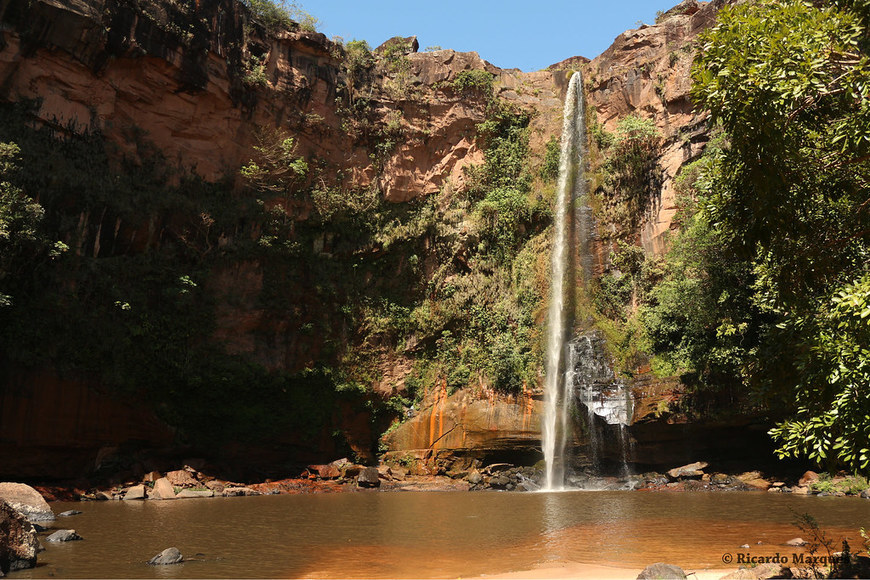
[{"x": 428, "y": 535}]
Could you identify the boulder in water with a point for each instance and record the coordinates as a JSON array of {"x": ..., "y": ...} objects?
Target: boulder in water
[
  {"x": 63, "y": 536},
  {"x": 368, "y": 477},
  {"x": 68, "y": 513},
  {"x": 796, "y": 542},
  {"x": 662, "y": 571},
  {"x": 27, "y": 501},
  {"x": 167, "y": 557},
  {"x": 18, "y": 541}
]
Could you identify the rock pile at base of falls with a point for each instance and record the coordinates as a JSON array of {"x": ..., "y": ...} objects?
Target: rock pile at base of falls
[{"x": 504, "y": 476}]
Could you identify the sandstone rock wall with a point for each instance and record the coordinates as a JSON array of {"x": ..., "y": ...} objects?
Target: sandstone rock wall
[{"x": 646, "y": 72}]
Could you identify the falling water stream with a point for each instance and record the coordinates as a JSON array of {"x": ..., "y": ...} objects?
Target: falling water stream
[{"x": 571, "y": 186}]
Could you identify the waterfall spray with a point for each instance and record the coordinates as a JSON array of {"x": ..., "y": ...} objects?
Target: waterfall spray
[{"x": 570, "y": 186}]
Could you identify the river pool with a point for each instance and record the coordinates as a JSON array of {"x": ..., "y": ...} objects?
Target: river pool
[{"x": 431, "y": 535}]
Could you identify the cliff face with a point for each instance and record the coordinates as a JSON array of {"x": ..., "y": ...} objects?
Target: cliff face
[
  {"x": 646, "y": 72},
  {"x": 201, "y": 82}
]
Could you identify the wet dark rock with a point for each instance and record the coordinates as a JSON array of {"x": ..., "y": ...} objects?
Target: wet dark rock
[
  {"x": 368, "y": 477},
  {"x": 18, "y": 542},
  {"x": 497, "y": 468},
  {"x": 167, "y": 557},
  {"x": 63, "y": 536},
  {"x": 662, "y": 571},
  {"x": 721, "y": 479},
  {"x": 499, "y": 482},
  {"x": 69, "y": 513}
]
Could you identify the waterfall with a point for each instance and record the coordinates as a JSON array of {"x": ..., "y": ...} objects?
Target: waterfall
[
  {"x": 607, "y": 398},
  {"x": 571, "y": 186}
]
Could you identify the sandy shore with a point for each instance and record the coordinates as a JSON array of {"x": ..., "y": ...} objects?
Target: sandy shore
[{"x": 595, "y": 571}]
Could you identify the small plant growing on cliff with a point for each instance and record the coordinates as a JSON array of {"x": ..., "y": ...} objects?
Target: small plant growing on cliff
[
  {"x": 357, "y": 61},
  {"x": 255, "y": 73},
  {"x": 470, "y": 82},
  {"x": 277, "y": 168}
]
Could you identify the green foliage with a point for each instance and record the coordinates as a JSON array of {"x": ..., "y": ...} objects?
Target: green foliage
[
  {"x": 632, "y": 175},
  {"x": 357, "y": 61},
  {"x": 23, "y": 242},
  {"x": 255, "y": 73},
  {"x": 853, "y": 485},
  {"x": 474, "y": 82},
  {"x": 280, "y": 15},
  {"x": 766, "y": 285},
  {"x": 277, "y": 168},
  {"x": 550, "y": 169}
]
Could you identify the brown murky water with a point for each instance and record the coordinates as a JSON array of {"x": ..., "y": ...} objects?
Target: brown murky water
[{"x": 430, "y": 535}]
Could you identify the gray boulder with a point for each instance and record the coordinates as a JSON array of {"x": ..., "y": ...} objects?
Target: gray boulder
[
  {"x": 63, "y": 536},
  {"x": 18, "y": 541},
  {"x": 68, "y": 513},
  {"x": 474, "y": 477},
  {"x": 26, "y": 500},
  {"x": 368, "y": 477},
  {"x": 662, "y": 571},
  {"x": 167, "y": 557}
]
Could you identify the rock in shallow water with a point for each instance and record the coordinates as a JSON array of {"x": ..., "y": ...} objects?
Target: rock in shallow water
[
  {"x": 662, "y": 571},
  {"x": 18, "y": 542},
  {"x": 63, "y": 536},
  {"x": 69, "y": 513},
  {"x": 368, "y": 477},
  {"x": 167, "y": 557}
]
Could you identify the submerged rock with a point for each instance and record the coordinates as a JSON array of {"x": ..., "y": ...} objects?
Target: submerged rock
[
  {"x": 662, "y": 571},
  {"x": 64, "y": 536},
  {"x": 68, "y": 513},
  {"x": 27, "y": 501},
  {"x": 760, "y": 572},
  {"x": 195, "y": 493},
  {"x": 167, "y": 557},
  {"x": 18, "y": 541}
]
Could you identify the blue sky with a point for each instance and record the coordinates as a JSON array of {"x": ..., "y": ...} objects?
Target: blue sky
[{"x": 510, "y": 34}]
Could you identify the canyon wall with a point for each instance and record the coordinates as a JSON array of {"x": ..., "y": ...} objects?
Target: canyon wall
[{"x": 201, "y": 83}]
